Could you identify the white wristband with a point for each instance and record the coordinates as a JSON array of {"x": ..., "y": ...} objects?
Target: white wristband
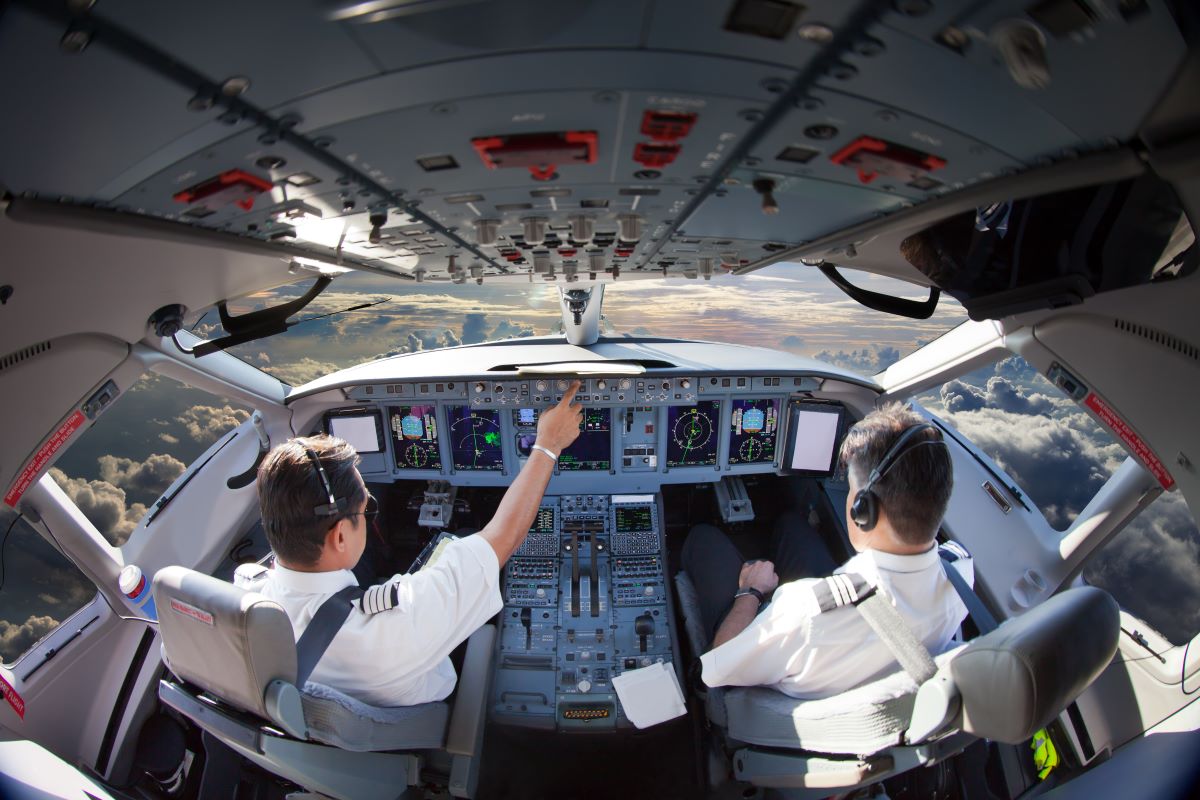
[{"x": 541, "y": 449}]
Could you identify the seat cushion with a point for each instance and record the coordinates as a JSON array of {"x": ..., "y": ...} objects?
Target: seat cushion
[
  {"x": 861, "y": 721},
  {"x": 337, "y": 719}
]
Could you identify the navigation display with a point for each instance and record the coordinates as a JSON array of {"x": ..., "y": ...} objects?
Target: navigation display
[
  {"x": 753, "y": 430},
  {"x": 593, "y": 449},
  {"x": 634, "y": 518},
  {"x": 475, "y": 438},
  {"x": 692, "y": 434},
  {"x": 415, "y": 437}
]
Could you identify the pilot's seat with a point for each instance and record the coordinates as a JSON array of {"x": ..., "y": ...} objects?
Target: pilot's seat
[
  {"x": 234, "y": 654},
  {"x": 1003, "y": 686}
]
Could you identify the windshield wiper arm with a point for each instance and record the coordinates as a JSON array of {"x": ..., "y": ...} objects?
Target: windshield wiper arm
[{"x": 1137, "y": 637}]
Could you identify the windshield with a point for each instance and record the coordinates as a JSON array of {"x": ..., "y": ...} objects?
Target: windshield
[{"x": 787, "y": 306}]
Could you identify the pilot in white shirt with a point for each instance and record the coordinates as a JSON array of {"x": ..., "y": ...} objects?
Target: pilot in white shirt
[
  {"x": 394, "y": 647},
  {"x": 808, "y": 642}
]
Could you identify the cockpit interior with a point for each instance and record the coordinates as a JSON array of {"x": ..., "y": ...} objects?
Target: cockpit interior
[{"x": 220, "y": 195}]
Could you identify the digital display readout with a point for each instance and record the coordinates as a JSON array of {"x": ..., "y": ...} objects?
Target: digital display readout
[
  {"x": 593, "y": 449},
  {"x": 692, "y": 434},
  {"x": 475, "y": 438},
  {"x": 415, "y": 437},
  {"x": 753, "y": 431},
  {"x": 631, "y": 519},
  {"x": 544, "y": 521}
]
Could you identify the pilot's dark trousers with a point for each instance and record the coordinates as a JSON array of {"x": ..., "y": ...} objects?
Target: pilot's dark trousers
[{"x": 713, "y": 562}]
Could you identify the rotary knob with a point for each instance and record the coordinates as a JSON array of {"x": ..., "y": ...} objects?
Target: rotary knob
[
  {"x": 541, "y": 386},
  {"x": 602, "y": 385},
  {"x": 479, "y": 387},
  {"x": 541, "y": 592},
  {"x": 584, "y": 686},
  {"x": 648, "y": 591},
  {"x": 562, "y": 385},
  {"x": 685, "y": 384},
  {"x": 626, "y": 383}
]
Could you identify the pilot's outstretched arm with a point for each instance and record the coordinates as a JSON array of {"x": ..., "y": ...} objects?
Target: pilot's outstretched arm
[{"x": 557, "y": 428}]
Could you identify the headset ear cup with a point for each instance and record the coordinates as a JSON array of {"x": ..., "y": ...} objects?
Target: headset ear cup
[{"x": 862, "y": 510}]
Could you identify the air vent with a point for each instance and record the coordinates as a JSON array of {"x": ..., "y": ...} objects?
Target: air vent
[
  {"x": 12, "y": 359},
  {"x": 1159, "y": 338}
]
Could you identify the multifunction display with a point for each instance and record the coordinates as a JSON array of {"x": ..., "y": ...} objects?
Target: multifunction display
[
  {"x": 415, "y": 437},
  {"x": 753, "y": 431},
  {"x": 634, "y": 518},
  {"x": 593, "y": 449},
  {"x": 692, "y": 434},
  {"x": 474, "y": 438}
]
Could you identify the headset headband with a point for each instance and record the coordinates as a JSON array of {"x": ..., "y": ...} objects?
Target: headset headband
[
  {"x": 336, "y": 505},
  {"x": 899, "y": 449}
]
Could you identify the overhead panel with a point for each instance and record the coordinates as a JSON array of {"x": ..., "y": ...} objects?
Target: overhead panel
[
  {"x": 74, "y": 122},
  {"x": 286, "y": 47}
]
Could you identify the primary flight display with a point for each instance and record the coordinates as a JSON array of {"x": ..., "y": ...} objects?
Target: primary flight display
[
  {"x": 753, "y": 430},
  {"x": 415, "y": 437}
]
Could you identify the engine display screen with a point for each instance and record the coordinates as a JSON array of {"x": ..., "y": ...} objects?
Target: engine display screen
[
  {"x": 692, "y": 434},
  {"x": 631, "y": 519},
  {"x": 753, "y": 431},
  {"x": 475, "y": 438},
  {"x": 415, "y": 437},
  {"x": 593, "y": 449}
]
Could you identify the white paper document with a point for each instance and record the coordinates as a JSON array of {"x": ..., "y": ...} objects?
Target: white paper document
[{"x": 650, "y": 695}]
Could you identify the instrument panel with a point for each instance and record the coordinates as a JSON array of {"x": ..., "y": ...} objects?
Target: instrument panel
[{"x": 652, "y": 430}]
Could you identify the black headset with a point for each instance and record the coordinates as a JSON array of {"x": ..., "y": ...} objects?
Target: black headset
[
  {"x": 336, "y": 505},
  {"x": 865, "y": 508}
]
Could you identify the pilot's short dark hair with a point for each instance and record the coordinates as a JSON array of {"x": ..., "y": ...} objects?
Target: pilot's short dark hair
[
  {"x": 915, "y": 491},
  {"x": 289, "y": 489}
]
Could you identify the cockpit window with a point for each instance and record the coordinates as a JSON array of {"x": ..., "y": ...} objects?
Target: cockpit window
[
  {"x": 786, "y": 306},
  {"x": 39, "y": 587},
  {"x": 1151, "y": 567},
  {"x": 138, "y": 447},
  {"x": 1056, "y": 453}
]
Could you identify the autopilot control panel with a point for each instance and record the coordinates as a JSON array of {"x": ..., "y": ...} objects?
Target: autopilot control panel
[{"x": 585, "y": 599}]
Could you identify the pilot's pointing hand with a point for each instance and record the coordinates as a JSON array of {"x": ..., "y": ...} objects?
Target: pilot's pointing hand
[{"x": 559, "y": 426}]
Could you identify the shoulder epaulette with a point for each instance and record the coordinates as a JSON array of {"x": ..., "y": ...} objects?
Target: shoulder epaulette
[
  {"x": 379, "y": 598},
  {"x": 836, "y": 591},
  {"x": 952, "y": 551}
]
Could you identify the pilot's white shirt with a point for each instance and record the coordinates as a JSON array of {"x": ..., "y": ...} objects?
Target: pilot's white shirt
[
  {"x": 811, "y": 657},
  {"x": 400, "y": 656}
]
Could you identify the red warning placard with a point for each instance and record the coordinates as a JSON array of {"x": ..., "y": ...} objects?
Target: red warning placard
[
  {"x": 43, "y": 456},
  {"x": 1140, "y": 449},
  {"x": 15, "y": 700}
]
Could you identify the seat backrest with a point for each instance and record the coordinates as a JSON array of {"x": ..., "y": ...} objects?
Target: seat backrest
[
  {"x": 1017, "y": 678},
  {"x": 227, "y": 641}
]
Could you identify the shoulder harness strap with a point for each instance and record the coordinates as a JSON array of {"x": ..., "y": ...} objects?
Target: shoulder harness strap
[{"x": 320, "y": 631}]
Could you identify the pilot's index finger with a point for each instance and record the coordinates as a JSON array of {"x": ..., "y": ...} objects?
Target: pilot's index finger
[{"x": 569, "y": 395}]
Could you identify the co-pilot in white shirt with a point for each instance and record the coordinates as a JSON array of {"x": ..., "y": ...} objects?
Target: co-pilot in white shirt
[
  {"x": 810, "y": 657},
  {"x": 400, "y": 656}
]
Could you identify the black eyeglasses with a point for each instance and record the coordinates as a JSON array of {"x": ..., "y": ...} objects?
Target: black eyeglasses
[{"x": 370, "y": 512}]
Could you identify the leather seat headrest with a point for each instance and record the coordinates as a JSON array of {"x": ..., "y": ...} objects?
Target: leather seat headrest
[{"x": 1017, "y": 678}]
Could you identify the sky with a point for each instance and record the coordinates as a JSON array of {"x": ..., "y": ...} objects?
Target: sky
[{"x": 1053, "y": 450}]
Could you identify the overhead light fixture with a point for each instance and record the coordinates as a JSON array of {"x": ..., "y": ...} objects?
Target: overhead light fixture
[{"x": 293, "y": 210}]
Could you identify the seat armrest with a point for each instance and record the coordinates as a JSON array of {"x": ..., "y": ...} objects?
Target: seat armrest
[
  {"x": 936, "y": 705},
  {"x": 282, "y": 701},
  {"x": 470, "y": 706}
]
